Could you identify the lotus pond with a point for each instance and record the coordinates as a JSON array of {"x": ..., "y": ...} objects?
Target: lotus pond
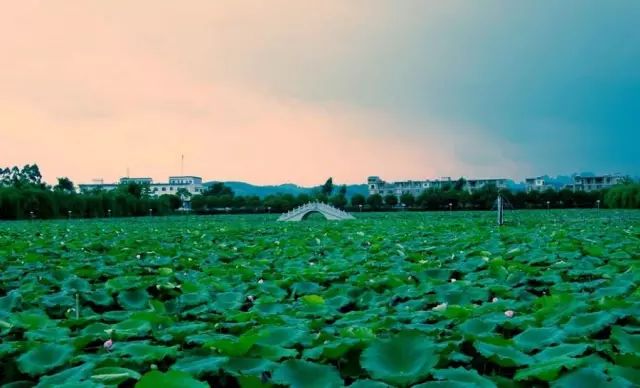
[{"x": 402, "y": 299}]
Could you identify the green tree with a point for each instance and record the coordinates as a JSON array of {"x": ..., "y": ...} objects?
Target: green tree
[
  {"x": 218, "y": 189},
  {"x": 65, "y": 184},
  {"x": 390, "y": 200},
  {"x": 327, "y": 188},
  {"x": 357, "y": 200},
  {"x": 339, "y": 201},
  {"x": 460, "y": 183},
  {"x": 375, "y": 201},
  {"x": 408, "y": 199},
  {"x": 183, "y": 194}
]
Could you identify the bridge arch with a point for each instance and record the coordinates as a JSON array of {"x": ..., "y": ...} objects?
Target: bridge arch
[{"x": 302, "y": 212}]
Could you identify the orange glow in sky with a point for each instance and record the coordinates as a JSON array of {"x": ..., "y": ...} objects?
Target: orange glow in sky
[{"x": 90, "y": 89}]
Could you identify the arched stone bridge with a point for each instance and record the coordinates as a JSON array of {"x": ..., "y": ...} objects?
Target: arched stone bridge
[{"x": 329, "y": 212}]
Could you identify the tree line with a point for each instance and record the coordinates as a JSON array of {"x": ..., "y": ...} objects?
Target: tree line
[{"x": 23, "y": 195}]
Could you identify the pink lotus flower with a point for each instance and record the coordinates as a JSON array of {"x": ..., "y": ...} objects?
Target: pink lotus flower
[
  {"x": 108, "y": 344},
  {"x": 509, "y": 313}
]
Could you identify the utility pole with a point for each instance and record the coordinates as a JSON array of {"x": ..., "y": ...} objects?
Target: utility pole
[{"x": 500, "y": 205}]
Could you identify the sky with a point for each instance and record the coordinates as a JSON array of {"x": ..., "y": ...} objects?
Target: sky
[{"x": 297, "y": 91}]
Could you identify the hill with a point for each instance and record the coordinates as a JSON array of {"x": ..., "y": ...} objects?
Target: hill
[{"x": 244, "y": 189}]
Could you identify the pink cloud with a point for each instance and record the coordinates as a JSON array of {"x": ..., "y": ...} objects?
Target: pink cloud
[{"x": 94, "y": 88}]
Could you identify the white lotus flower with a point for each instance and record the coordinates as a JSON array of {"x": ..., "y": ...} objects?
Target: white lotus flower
[
  {"x": 453, "y": 280},
  {"x": 260, "y": 281},
  {"x": 440, "y": 307},
  {"x": 509, "y": 313},
  {"x": 494, "y": 300},
  {"x": 108, "y": 344}
]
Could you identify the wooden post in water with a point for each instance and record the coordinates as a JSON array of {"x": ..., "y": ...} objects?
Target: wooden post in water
[{"x": 500, "y": 205}]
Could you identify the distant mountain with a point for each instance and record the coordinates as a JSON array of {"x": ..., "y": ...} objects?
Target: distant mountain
[{"x": 244, "y": 189}]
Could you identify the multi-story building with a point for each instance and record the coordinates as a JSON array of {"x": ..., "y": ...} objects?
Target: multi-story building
[
  {"x": 192, "y": 184},
  {"x": 591, "y": 183},
  {"x": 538, "y": 183},
  {"x": 378, "y": 186},
  {"x": 472, "y": 185}
]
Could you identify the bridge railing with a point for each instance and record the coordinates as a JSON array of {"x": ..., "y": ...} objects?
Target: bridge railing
[{"x": 315, "y": 206}]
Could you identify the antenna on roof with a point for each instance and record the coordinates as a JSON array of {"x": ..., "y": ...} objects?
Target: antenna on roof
[
  {"x": 182, "y": 165},
  {"x": 128, "y": 176}
]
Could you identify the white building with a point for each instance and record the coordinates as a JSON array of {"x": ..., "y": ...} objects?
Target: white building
[
  {"x": 192, "y": 184},
  {"x": 378, "y": 186},
  {"x": 538, "y": 183},
  {"x": 591, "y": 183}
]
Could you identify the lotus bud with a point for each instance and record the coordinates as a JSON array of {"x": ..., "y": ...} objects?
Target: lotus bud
[{"x": 108, "y": 344}]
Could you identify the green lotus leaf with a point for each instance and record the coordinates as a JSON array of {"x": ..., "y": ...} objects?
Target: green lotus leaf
[
  {"x": 588, "y": 323},
  {"x": 583, "y": 378},
  {"x": 43, "y": 358},
  {"x": 248, "y": 366},
  {"x": 114, "y": 375},
  {"x": 625, "y": 342},
  {"x": 304, "y": 374},
  {"x": 562, "y": 350},
  {"x": 122, "y": 283},
  {"x": 228, "y": 301},
  {"x": 548, "y": 370},
  {"x": 632, "y": 375},
  {"x": 402, "y": 360},
  {"x": 31, "y": 320},
  {"x": 538, "y": 337},
  {"x": 170, "y": 379},
  {"x": 477, "y": 327},
  {"x": 8, "y": 348},
  {"x": 48, "y": 334},
  {"x": 273, "y": 353},
  {"x": 463, "y": 376},
  {"x": 9, "y": 303},
  {"x": 19, "y": 384},
  {"x": 269, "y": 308},
  {"x": 229, "y": 345},
  {"x": 131, "y": 328},
  {"x": 333, "y": 350},
  {"x": 281, "y": 336},
  {"x": 194, "y": 299},
  {"x": 99, "y": 297},
  {"x": 369, "y": 384},
  {"x": 71, "y": 375},
  {"x": 181, "y": 330},
  {"x": 137, "y": 299},
  {"x": 313, "y": 299},
  {"x": 503, "y": 355},
  {"x": 97, "y": 330},
  {"x": 200, "y": 365},
  {"x": 75, "y": 284},
  {"x": 305, "y": 288},
  {"x": 141, "y": 352}
]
